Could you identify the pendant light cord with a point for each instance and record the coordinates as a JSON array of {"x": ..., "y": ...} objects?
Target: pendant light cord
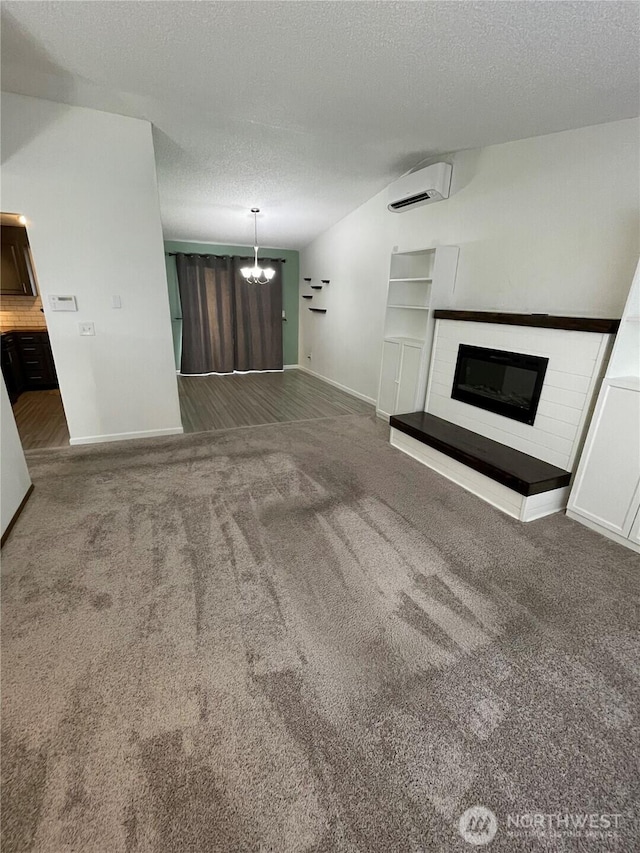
[{"x": 255, "y": 212}]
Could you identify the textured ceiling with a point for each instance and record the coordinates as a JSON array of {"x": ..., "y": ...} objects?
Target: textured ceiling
[{"x": 307, "y": 109}]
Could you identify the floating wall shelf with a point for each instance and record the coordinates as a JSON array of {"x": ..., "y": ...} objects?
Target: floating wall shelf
[
  {"x": 307, "y": 279},
  {"x": 307, "y": 296},
  {"x": 318, "y": 310},
  {"x": 316, "y": 287},
  {"x": 325, "y": 280}
]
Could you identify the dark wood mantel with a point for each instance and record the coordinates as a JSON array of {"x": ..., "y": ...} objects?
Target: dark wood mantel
[
  {"x": 543, "y": 321},
  {"x": 516, "y": 470}
]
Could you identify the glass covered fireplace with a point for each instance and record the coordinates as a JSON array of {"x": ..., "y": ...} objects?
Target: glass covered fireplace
[{"x": 508, "y": 383}]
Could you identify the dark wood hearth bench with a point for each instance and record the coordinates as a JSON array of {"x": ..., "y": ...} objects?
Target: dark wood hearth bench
[{"x": 512, "y": 469}]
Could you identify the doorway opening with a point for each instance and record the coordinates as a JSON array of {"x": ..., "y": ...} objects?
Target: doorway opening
[{"x": 28, "y": 367}]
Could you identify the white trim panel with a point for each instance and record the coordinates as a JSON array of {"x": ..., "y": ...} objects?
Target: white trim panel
[{"x": 125, "y": 436}]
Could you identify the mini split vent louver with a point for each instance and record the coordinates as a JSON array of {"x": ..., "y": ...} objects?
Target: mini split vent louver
[{"x": 422, "y": 187}]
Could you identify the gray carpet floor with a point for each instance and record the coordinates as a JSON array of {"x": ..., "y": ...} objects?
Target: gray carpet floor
[{"x": 294, "y": 638}]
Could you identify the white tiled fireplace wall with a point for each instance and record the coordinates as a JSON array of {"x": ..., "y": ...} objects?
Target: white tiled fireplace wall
[{"x": 576, "y": 365}]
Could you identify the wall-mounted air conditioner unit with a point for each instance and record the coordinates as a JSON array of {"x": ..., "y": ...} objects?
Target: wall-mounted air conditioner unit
[{"x": 422, "y": 187}]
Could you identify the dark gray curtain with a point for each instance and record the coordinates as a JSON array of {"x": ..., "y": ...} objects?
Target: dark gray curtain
[
  {"x": 258, "y": 324},
  {"x": 208, "y": 314}
]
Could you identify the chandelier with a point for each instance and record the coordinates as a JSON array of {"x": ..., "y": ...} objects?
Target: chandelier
[{"x": 256, "y": 274}]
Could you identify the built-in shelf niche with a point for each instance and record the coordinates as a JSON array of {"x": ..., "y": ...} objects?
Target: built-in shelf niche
[
  {"x": 406, "y": 323},
  {"x": 409, "y": 294},
  {"x": 419, "y": 281},
  {"x": 416, "y": 266},
  {"x": 410, "y": 307}
]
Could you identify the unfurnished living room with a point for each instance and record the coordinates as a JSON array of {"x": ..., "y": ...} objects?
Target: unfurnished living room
[{"x": 320, "y": 456}]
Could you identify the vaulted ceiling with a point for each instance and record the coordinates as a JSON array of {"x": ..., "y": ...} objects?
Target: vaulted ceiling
[{"x": 307, "y": 109}]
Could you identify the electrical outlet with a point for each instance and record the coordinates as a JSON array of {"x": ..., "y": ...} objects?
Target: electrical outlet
[{"x": 87, "y": 328}]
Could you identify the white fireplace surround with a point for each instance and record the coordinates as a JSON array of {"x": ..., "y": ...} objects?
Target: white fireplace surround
[
  {"x": 576, "y": 364},
  {"x": 577, "y": 361}
]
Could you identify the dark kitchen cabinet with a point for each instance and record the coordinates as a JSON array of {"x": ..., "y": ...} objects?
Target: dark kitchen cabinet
[
  {"x": 16, "y": 273},
  {"x": 11, "y": 367},
  {"x": 27, "y": 362},
  {"x": 36, "y": 360}
]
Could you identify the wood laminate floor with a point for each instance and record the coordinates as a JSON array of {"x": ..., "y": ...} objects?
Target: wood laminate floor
[
  {"x": 40, "y": 419},
  {"x": 222, "y": 402},
  {"x": 207, "y": 403}
]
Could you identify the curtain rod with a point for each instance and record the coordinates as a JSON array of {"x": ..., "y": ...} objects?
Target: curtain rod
[{"x": 222, "y": 257}]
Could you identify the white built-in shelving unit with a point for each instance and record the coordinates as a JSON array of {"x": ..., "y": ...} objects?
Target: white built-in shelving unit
[
  {"x": 606, "y": 491},
  {"x": 419, "y": 282}
]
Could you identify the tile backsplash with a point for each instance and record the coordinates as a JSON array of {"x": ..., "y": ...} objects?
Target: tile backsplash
[{"x": 21, "y": 312}]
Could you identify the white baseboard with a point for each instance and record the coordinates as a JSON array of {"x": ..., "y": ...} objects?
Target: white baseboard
[
  {"x": 291, "y": 367},
  {"x": 603, "y": 531},
  {"x": 125, "y": 436},
  {"x": 235, "y": 372},
  {"x": 510, "y": 502},
  {"x": 353, "y": 393}
]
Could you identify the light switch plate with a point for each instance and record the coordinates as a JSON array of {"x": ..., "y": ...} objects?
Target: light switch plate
[
  {"x": 116, "y": 302},
  {"x": 87, "y": 328}
]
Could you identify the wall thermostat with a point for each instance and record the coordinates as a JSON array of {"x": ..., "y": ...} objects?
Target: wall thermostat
[{"x": 63, "y": 303}]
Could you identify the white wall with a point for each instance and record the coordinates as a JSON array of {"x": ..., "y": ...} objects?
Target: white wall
[
  {"x": 625, "y": 358},
  {"x": 548, "y": 224},
  {"x": 86, "y": 182},
  {"x": 14, "y": 476},
  {"x": 346, "y": 342}
]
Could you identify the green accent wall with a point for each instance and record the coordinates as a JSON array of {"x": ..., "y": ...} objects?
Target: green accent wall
[{"x": 290, "y": 300}]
